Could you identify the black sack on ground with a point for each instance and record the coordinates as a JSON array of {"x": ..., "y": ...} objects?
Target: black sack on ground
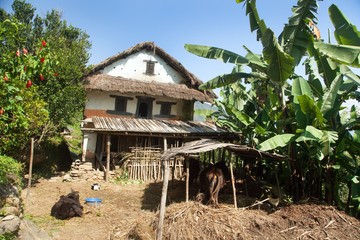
[{"x": 68, "y": 206}]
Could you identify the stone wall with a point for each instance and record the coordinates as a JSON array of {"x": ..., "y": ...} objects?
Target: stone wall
[
  {"x": 10, "y": 209},
  {"x": 84, "y": 171}
]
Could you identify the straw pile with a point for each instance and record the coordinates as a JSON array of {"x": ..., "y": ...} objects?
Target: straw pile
[{"x": 193, "y": 220}]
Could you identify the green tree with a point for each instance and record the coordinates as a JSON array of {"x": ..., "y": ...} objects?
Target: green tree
[
  {"x": 62, "y": 91},
  {"x": 23, "y": 113}
]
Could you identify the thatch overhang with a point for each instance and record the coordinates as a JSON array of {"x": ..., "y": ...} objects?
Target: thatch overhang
[
  {"x": 191, "y": 81},
  {"x": 205, "y": 145},
  {"x": 122, "y": 85},
  {"x": 155, "y": 127}
]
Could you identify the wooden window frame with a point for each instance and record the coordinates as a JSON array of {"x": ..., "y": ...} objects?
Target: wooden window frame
[
  {"x": 150, "y": 67},
  {"x": 118, "y": 109},
  {"x": 168, "y": 107}
]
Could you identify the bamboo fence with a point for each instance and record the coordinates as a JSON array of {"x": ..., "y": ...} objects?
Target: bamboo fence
[{"x": 145, "y": 165}]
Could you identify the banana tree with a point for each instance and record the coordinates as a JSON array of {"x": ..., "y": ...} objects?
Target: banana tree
[
  {"x": 286, "y": 112},
  {"x": 269, "y": 75},
  {"x": 313, "y": 103}
]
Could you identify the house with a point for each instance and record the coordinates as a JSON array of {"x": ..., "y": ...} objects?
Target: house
[{"x": 142, "y": 97}]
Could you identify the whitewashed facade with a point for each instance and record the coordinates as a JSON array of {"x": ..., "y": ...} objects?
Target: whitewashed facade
[{"x": 143, "y": 82}]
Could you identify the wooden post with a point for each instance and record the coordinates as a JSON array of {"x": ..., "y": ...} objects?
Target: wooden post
[
  {"x": 108, "y": 142},
  {"x": 160, "y": 227},
  {"x": 233, "y": 184},
  {"x": 30, "y": 170},
  {"x": 187, "y": 162}
]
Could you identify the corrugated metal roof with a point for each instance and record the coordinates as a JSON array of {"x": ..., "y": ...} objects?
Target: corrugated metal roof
[{"x": 153, "y": 126}]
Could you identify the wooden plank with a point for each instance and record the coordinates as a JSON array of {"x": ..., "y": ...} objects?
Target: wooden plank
[{"x": 108, "y": 142}]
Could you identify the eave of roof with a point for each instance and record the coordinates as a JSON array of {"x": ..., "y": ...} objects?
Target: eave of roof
[
  {"x": 155, "y": 127},
  {"x": 122, "y": 85}
]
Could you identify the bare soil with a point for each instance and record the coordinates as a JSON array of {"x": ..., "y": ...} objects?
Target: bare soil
[{"x": 130, "y": 212}]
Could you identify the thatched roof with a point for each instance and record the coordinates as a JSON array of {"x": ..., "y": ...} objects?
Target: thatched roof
[
  {"x": 192, "y": 82},
  {"x": 205, "y": 145},
  {"x": 109, "y": 83}
]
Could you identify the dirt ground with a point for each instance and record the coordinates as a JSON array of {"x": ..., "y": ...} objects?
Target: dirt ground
[{"x": 130, "y": 212}]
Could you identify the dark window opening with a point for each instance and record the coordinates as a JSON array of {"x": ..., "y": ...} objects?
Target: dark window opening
[
  {"x": 143, "y": 110},
  {"x": 144, "y": 107},
  {"x": 150, "y": 67},
  {"x": 165, "y": 109},
  {"x": 120, "y": 104}
]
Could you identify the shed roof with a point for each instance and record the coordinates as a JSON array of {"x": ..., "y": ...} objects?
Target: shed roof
[
  {"x": 155, "y": 127},
  {"x": 205, "y": 145}
]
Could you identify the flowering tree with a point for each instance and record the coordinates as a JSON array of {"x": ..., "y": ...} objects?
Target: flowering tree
[{"x": 22, "y": 112}]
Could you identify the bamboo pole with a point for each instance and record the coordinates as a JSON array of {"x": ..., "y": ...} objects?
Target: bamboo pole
[
  {"x": 30, "y": 170},
  {"x": 233, "y": 184},
  {"x": 163, "y": 196},
  {"x": 108, "y": 142},
  {"x": 187, "y": 179}
]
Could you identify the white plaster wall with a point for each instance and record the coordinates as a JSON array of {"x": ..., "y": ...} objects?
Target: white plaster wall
[
  {"x": 89, "y": 145},
  {"x": 134, "y": 67},
  {"x": 100, "y": 100}
]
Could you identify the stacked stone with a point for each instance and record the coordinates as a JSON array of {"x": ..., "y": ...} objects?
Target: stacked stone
[
  {"x": 83, "y": 171},
  {"x": 10, "y": 211}
]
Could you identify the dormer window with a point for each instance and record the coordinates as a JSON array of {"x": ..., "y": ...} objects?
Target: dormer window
[{"x": 150, "y": 67}]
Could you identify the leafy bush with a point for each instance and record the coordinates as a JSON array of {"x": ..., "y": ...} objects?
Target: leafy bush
[{"x": 10, "y": 170}]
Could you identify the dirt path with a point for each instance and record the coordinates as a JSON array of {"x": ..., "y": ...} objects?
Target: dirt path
[
  {"x": 127, "y": 211},
  {"x": 122, "y": 208}
]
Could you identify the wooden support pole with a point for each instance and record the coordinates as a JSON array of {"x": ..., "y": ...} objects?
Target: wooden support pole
[
  {"x": 108, "y": 142},
  {"x": 30, "y": 170},
  {"x": 233, "y": 184},
  {"x": 187, "y": 162},
  {"x": 160, "y": 227}
]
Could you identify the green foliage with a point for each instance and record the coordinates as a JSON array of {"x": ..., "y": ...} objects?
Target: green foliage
[
  {"x": 275, "y": 109},
  {"x": 123, "y": 179},
  {"x": 8, "y": 236},
  {"x": 41, "y": 66},
  {"x": 10, "y": 169},
  {"x": 62, "y": 89},
  {"x": 22, "y": 112}
]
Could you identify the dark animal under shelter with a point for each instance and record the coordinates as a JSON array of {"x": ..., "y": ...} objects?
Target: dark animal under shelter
[
  {"x": 212, "y": 180},
  {"x": 68, "y": 206}
]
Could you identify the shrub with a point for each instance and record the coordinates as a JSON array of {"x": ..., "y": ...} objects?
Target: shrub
[{"x": 10, "y": 170}]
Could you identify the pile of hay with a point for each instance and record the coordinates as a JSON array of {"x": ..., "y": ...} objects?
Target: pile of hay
[{"x": 193, "y": 220}]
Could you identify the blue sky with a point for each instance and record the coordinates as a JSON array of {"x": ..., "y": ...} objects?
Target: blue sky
[{"x": 116, "y": 25}]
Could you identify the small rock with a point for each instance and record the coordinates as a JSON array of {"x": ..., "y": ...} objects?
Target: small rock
[
  {"x": 13, "y": 201},
  {"x": 11, "y": 211},
  {"x": 8, "y": 218},
  {"x": 67, "y": 178},
  {"x": 10, "y": 225}
]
